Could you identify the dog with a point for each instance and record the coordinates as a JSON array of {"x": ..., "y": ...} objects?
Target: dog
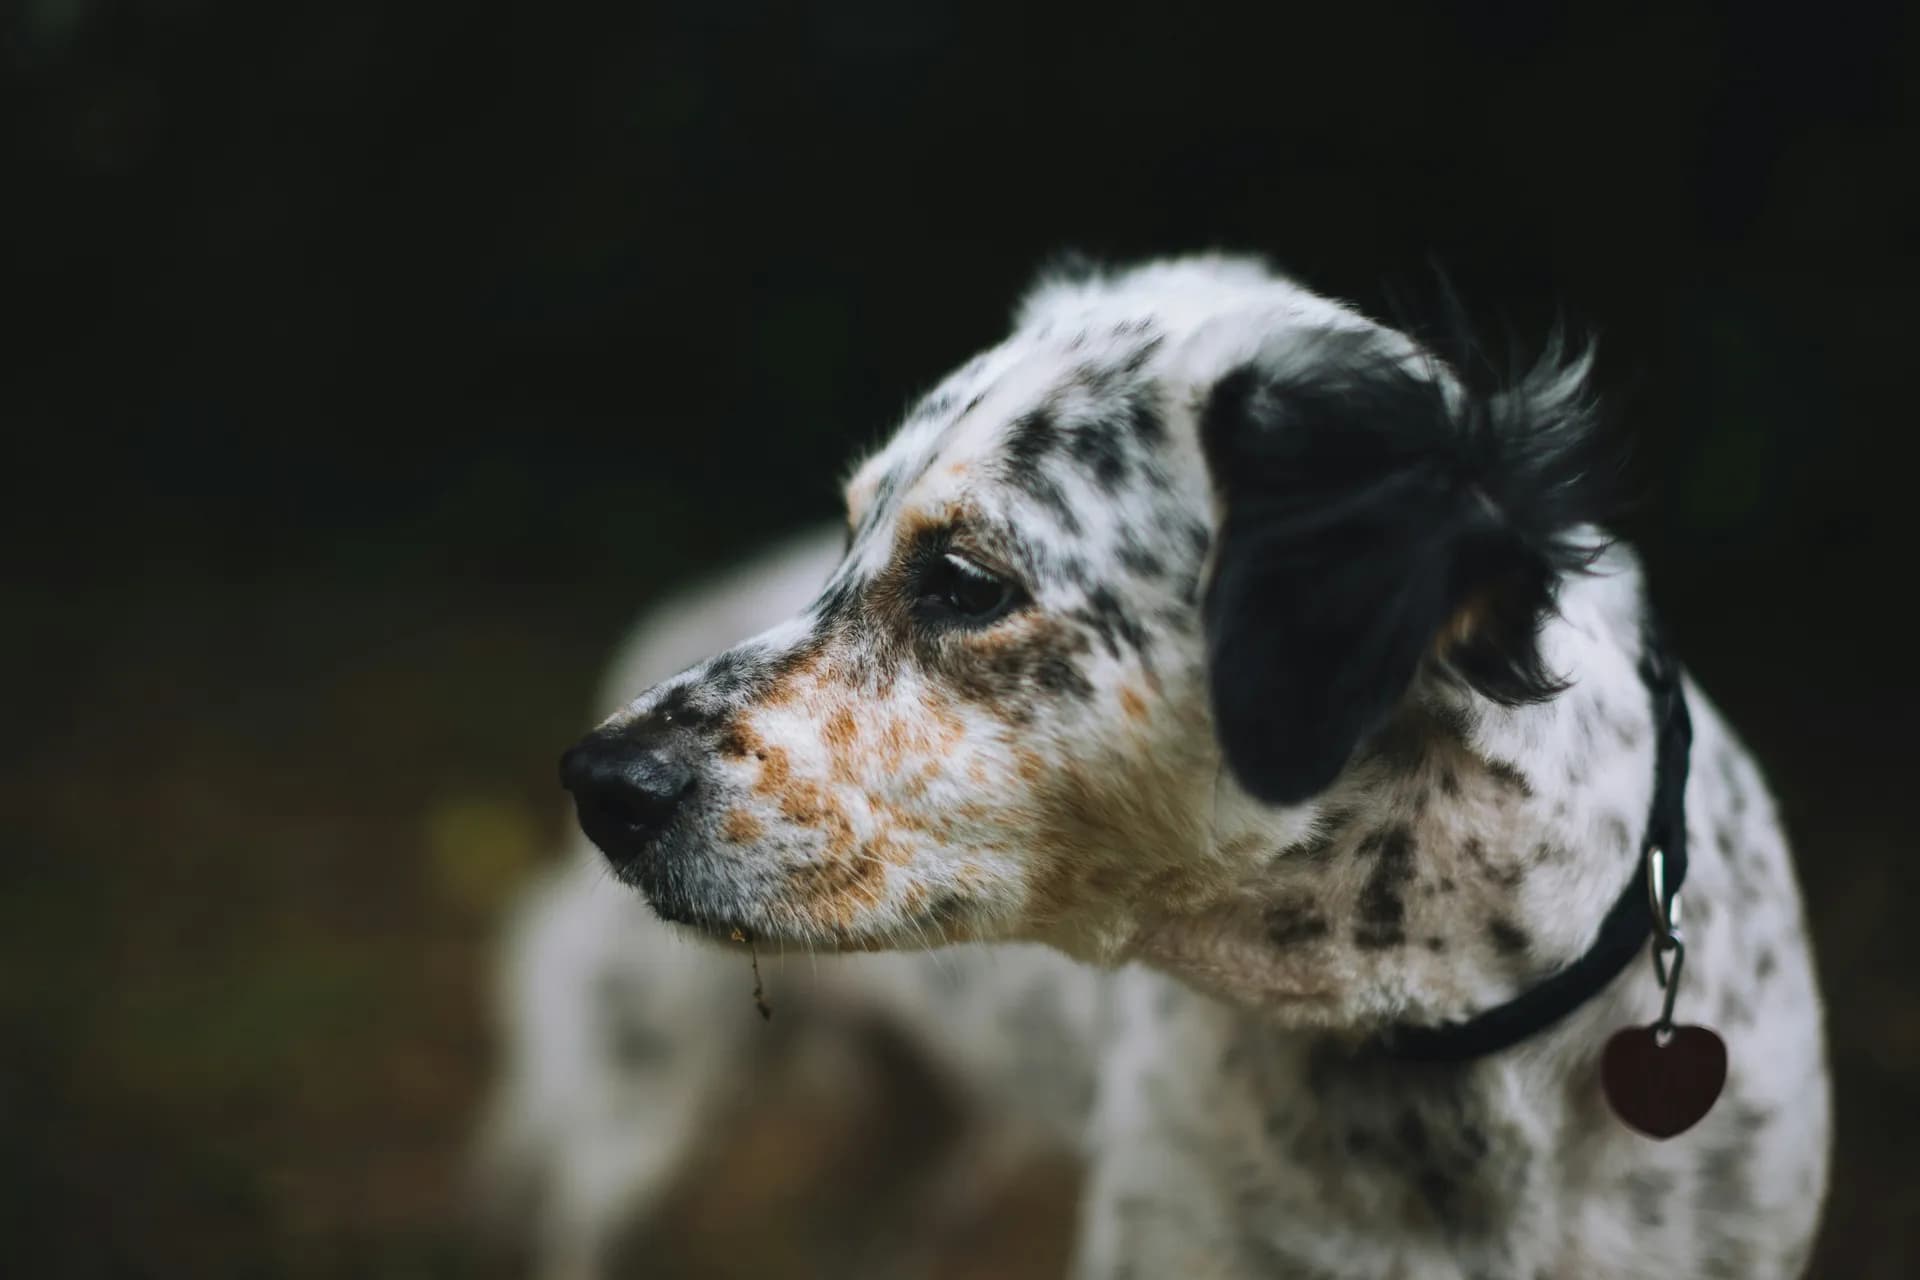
[{"x": 1239, "y": 693}]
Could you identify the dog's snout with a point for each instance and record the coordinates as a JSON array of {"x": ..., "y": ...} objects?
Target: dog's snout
[{"x": 627, "y": 785}]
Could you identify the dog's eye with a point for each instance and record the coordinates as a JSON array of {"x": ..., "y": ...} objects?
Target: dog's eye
[{"x": 955, "y": 589}]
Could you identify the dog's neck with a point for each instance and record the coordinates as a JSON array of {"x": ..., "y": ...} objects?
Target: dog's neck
[{"x": 1468, "y": 850}]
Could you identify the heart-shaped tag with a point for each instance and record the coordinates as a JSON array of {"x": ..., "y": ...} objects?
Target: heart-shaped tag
[{"x": 1663, "y": 1089}]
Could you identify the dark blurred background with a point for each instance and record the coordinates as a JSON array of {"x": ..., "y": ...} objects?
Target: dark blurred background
[{"x": 372, "y": 365}]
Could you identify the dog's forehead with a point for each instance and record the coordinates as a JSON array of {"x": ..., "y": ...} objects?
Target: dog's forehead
[
  {"x": 1047, "y": 437},
  {"x": 1088, "y": 369}
]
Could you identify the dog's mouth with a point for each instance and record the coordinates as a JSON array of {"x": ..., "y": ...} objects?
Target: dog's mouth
[
  {"x": 944, "y": 922},
  {"x": 704, "y": 922}
]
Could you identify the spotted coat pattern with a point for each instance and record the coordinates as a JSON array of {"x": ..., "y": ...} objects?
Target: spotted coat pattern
[{"x": 883, "y": 772}]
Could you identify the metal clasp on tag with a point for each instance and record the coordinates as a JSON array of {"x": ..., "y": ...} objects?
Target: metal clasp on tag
[{"x": 1669, "y": 951}]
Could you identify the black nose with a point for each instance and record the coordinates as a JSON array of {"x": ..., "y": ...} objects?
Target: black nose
[{"x": 626, "y": 785}]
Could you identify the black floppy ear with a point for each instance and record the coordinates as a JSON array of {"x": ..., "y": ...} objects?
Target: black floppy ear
[{"x": 1376, "y": 522}]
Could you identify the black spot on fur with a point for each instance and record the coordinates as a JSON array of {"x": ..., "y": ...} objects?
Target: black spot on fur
[
  {"x": 1112, "y": 622},
  {"x": 1015, "y": 676},
  {"x": 1137, "y": 360},
  {"x": 727, "y": 675},
  {"x": 1648, "y": 1191},
  {"x": 1140, "y": 562},
  {"x": 1107, "y": 439},
  {"x": 1383, "y": 911},
  {"x": 1765, "y": 964},
  {"x": 1549, "y": 855},
  {"x": 1097, "y": 449},
  {"x": 1364, "y": 513},
  {"x": 1057, "y": 673},
  {"x": 883, "y": 494},
  {"x": 1507, "y": 937},
  {"x": 1476, "y": 853},
  {"x": 1066, "y": 568},
  {"x": 839, "y": 605},
  {"x": 1724, "y": 1188},
  {"x": 1291, "y": 923},
  {"x": 1142, "y": 414},
  {"x": 1508, "y": 775},
  {"x": 1046, "y": 491},
  {"x": 1031, "y": 439}
]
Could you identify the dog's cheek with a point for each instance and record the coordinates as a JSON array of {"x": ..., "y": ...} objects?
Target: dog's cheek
[
  {"x": 1113, "y": 809},
  {"x": 1080, "y": 754},
  {"x": 1028, "y": 672},
  {"x": 868, "y": 802}
]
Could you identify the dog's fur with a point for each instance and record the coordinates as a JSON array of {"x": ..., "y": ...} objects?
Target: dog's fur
[{"x": 1310, "y": 707}]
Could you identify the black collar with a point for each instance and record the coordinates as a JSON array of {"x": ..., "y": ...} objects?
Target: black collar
[{"x": 1628, "y": 926}]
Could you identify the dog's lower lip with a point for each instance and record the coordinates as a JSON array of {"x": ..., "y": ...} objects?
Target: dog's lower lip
[
  {"x": 719, "y": 928},
  {"x": 722, "y": 930}
]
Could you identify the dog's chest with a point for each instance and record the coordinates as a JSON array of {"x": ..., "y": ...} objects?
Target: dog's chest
[
  {"x": 1226, "y": 1148},
  {"x": 1247, "y": 1152}
]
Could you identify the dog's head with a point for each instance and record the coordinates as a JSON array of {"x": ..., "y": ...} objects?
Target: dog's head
[{"x": 1173, "y": 550}]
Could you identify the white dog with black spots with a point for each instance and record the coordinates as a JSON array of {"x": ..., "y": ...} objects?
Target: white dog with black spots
[{"x": 1223, "y": 682}]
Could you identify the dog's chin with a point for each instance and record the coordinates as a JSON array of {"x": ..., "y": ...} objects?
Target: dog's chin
[
  {"x": 766, "y": 925},
  {"x": 711, "y": 919},
  {"x": 690, "y": 921},
  {"x": 717, "y": 901}
]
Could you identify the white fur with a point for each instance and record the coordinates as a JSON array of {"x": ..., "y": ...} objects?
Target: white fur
[{"x": 1221, "y": 1141}]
